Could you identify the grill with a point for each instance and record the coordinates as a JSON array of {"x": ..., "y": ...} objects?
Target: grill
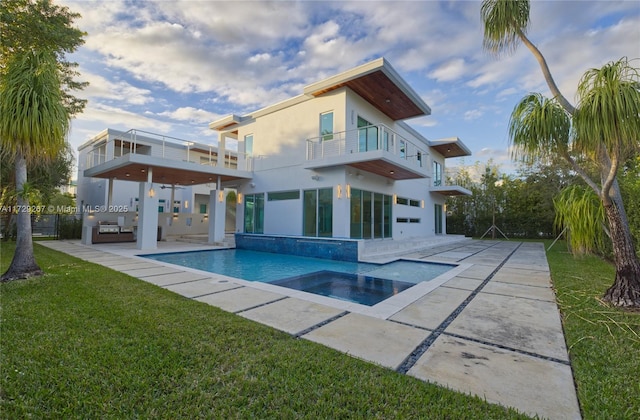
[{"x": 108, "y": 228}]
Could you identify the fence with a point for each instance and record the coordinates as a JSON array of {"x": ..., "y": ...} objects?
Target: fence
[{"x": 56, "y": 226}]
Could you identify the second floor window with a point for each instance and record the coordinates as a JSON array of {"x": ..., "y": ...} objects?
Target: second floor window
[
  {"x": 248, "y": 144},
  {"x": 437, "y": 174},
  {"x": 326, "y": 125}
]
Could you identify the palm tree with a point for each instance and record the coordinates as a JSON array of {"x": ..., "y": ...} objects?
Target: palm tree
[
  {"x": 505, "y": 25},
  {"x": 33, "y": 124},
  {"x": 604, "y": 129}
]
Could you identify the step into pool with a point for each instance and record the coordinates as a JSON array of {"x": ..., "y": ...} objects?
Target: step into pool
[{"x": 363, "y": 283}]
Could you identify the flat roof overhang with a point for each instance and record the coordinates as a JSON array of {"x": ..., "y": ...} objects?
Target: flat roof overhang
[
  {"x": 135, "y": 167},
  {"x": 451, "y": 190},
  {"x": 376, "y": 161},
  {"x": 450, "y": 147},
  {"x": 380, "y": 85}
]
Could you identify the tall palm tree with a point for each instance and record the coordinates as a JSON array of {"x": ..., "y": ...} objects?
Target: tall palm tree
[
  {"x": 606, "y": 130},
  {"x": 505, "y": 25},
  {"x": 603, "y": 130},
  {"x": 33, "y": 125}
]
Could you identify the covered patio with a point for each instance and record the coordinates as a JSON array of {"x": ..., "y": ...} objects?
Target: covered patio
[{"x": 150, "y": 172}]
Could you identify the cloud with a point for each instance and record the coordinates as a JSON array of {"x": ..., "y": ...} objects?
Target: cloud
[
  {"x": 102, "y": 88},
  {"x": 473, "y": 114},
  {"x": 450, "y": 70},
  {"x": 190, "y": 114},
  {"x": 114, "y": 117}
]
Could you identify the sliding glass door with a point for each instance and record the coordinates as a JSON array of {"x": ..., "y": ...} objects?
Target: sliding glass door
[{"x": 318, "y": 212}]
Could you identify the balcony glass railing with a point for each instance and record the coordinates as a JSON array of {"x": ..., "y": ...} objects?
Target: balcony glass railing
[
  {"x": 157, "y": 145},
  {"x": 366, "y": 139}
]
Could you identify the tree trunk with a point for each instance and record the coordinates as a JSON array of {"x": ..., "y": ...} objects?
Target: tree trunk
[
  {"x": 625, "y": 291},
  {"x": 547, "y": 74},
  {"x": 23, "y": 264}
]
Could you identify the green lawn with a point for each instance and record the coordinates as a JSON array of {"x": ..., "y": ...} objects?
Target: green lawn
[
  {"x": 84, "y": 341},
  {"x": 603, "y": 342}
]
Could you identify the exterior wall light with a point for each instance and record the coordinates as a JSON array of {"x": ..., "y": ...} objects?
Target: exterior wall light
[
  {"x": 422, "y": 204},
  {"x": 221, "y": 196},
  {"x": 339, "y": 191},
  {"x": 152, "y": 192},
  {"x": 395, "y": 199},
  {"x": 348, "y": 190},
  {"x": 239, "y": 198}
]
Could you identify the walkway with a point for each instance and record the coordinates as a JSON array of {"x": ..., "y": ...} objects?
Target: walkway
[{"x": 490, "y": 327}]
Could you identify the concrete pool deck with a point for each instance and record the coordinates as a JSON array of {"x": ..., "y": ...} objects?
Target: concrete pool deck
[{"x": 490, "y": 327}]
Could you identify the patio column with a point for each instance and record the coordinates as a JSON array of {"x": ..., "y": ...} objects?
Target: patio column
[
  {"x": 147, "y": 215},
  {"x": 217, "y": 212},
  {"x": 221, "y": 150},
  {"x": 110, "y": 193}
]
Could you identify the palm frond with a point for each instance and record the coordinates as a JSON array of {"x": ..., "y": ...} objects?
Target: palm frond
[
  {"x": 580, "y": 211},
  {"x": 539, "y": 128},
  {"x": 608, "y": 112},
  {"x": 503, "y": 21},
  {"x": 33, "y": 118}
]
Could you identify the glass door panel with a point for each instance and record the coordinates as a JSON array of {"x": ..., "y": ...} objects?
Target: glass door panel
[
  {"x": 310, "y": 201},
  {"x": 366, "y": 215},
  {"x": 325, "y": 212},
  {"x": 377, "y": 215},
  {"x": 387, "y": 216},
  {"x": 259, "y": 213},
  {"x": 356, "y": 213},
  {"x": 248, "y": 214},
  {"x": 438, "y": 218}
]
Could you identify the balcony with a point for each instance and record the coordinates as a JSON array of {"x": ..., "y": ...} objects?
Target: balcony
[
  {"x": 440, "y": 187},
  {"x": 132, "y": 155},
  {"x": 376, "y": 149}
]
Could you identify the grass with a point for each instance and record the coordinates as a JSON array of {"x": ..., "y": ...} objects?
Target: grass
[
  {"x": 603, "y": 342},
  {"x": 84, "y": 341}
]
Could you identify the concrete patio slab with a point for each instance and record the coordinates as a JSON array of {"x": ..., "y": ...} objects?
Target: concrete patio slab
[
  {"x": 432, "y": 309},
  {"x": 291, "y": 315},
  {"x": 453, "y": 255},
  {"x": 146, "y": 272},
  {"x": 523, "y": 276},
  {"x": 174, "y": 278},
  {"x": 131, "y": 264},
  {"x": 241, "y": 299},
  {"x": 460, "y": 282},
  {"x": 479, "y": 271},
  {"x": 383, "y": 342},
  {"x": 520, "y": 290},
  {"x": 200, "y": 287},
  {"x": 523, "y": 324},
  {"x": 532, "y": 385},
  {"x": 104, "y": 258}
]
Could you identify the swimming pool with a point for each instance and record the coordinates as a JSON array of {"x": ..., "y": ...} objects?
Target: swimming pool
[{"x": 363, "y": 283}]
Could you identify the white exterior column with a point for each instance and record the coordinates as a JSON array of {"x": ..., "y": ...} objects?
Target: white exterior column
[
  {"x": 341, "y": 212},
  {"x": 217, "y": 212},
  {"x": 147, "y": 216},
  {"x": 221, "y": 150},
  {"x": 110, "y": 193}
]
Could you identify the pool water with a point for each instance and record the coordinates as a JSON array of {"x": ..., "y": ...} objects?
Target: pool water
[
  {"x": 357, "y": 288},
  {"x": 362, "y": 283}
]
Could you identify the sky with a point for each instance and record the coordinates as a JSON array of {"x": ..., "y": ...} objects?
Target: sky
[{"x": 173, "y": 66}]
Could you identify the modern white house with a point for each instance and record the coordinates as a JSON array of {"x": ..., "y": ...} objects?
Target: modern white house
[{"x": 324, "y": 171}]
